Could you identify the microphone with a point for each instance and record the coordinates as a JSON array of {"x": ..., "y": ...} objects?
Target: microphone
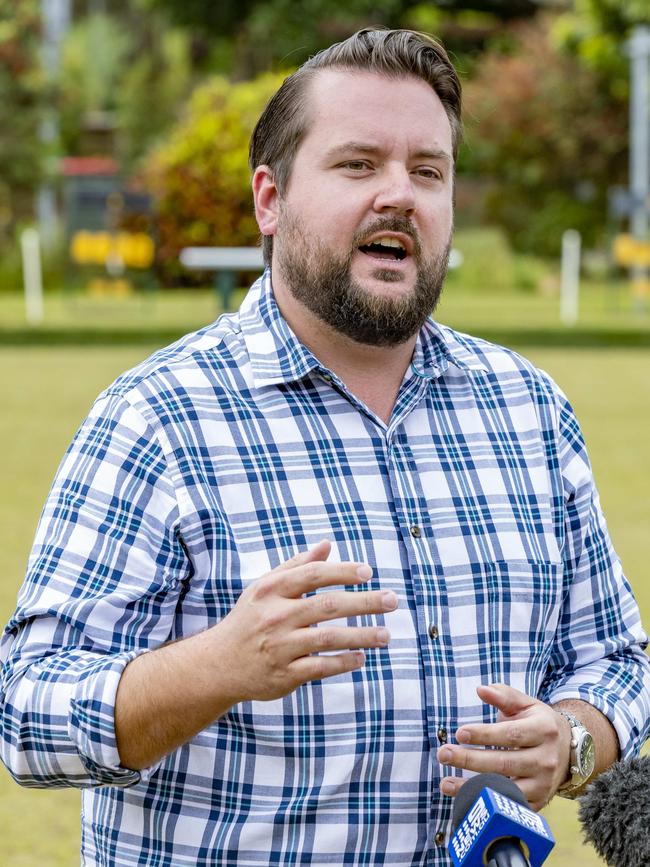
[
  {"x": 615, "y": 813},
  {"x": 494, "y": 826}
]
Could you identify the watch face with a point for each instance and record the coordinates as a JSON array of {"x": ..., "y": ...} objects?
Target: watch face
[{"x": 586, "y": 755}]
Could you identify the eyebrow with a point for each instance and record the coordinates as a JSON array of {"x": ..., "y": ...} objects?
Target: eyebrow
[{"x": 364, "y": 148}]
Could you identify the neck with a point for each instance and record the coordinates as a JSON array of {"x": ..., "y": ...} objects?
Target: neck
[{"x": 372, "y": 373}]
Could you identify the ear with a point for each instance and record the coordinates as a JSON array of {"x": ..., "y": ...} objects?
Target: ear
[{"x": 265, "y": 196}]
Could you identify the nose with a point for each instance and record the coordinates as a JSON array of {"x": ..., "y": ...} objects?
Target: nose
[{"x": 395, "y": 191}]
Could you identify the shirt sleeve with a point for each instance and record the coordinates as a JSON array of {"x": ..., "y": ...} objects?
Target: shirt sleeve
[
  {"x": 599, "y": 651},
  {"x": 102, "y": 585}
]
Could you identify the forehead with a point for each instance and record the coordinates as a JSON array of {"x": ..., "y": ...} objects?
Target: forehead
[{"x": 347, "y": 104}]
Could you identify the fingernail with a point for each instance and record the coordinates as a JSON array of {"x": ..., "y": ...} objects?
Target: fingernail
[
  {"x": 383, "y": 636},
  {"x": 445, "y": 755},
  {"x": 448, "y": 788},
  {"x": 464, "y": 737},
  {"x": 389, "y": 600},
  {"x": 364, "y": 572}
]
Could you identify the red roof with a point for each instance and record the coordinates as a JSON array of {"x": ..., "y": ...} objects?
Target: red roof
[{"x": 89, "y": 166}]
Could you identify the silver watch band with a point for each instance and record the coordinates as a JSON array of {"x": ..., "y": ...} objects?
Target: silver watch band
[{"x": 577, "y": 774}]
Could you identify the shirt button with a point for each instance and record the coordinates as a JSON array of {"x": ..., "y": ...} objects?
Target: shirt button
[
  {"x": 415, "y": 531},
  {"x": 442, "y": 735},
  {"x": 326, "y": 377},
  {"x": 439, "y": 838},
  {"x": 433, "y": 631}
]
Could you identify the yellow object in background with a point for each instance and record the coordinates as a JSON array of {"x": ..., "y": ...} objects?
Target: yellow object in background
[
  {"x": 629, "y": 251},
  {"x": 131, "y": 249}
]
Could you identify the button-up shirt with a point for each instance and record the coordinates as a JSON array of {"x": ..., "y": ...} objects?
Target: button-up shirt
[{"x": 231, "y": 451}]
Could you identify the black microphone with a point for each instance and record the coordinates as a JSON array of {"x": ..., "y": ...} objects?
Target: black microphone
[
  {"x": 494, "y": 826},
  {"x": 615, "y": 813}
]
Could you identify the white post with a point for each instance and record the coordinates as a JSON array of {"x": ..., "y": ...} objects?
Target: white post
[
  {"x": 570, "y": 286},
  {"x": 32, "y": 276}
]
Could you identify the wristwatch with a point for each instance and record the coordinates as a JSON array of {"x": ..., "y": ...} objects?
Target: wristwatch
[{"x": 582, "y": 759}]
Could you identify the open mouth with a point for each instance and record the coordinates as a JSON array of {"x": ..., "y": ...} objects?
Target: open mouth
[{"x": 385, "y": 248}]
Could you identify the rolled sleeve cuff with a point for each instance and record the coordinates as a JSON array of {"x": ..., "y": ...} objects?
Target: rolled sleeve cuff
[
  {"x": 621, "y": 695},
  {"x": 92, "y": 723}
]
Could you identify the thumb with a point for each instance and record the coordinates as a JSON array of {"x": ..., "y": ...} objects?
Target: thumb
[
  {"x": 320, "y": 551},
  {"x": 507, "y": 699}
]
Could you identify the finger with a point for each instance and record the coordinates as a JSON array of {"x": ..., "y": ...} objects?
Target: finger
[
  {"x": 306, "y": 641},
  {"x": 343, "y": 603},
  {"x": 507, "y": 699},
  {"x": 511, "y": 734},
  {"x": 320, "y": 551},
  {"x": 295, "y": 582},
  {"x": 509, "y": 763},
  {"x": 319, "y": 667},
  {"x": 537, "y": 796}
]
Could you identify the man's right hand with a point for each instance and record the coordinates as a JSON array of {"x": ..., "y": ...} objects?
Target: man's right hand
[
  {"x": 271, "y": 636},
  {"x": 268, "y": 645}
]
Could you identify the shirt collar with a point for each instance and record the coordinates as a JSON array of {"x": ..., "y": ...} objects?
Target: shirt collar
[
  {"x": 437, "y": 347},
  {"x": 277, "y": 355}
]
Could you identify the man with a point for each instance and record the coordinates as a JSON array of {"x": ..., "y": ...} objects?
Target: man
[{"x": 303, "y": 569}]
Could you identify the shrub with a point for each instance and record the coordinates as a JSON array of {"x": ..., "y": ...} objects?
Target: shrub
[{"x": 200, "y": 176}]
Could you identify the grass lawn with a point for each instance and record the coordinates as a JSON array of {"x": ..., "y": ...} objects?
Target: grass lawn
[{"x": 46, "y": 391}]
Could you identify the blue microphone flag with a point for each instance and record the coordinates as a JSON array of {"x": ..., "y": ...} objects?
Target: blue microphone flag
[{"x": 492, "y": 817}]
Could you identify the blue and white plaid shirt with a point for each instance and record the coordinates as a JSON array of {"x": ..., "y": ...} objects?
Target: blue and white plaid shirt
[{"x": 229, "y": 452}]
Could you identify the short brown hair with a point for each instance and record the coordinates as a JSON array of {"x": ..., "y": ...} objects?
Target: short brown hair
[{"x": 284, "y": 122}]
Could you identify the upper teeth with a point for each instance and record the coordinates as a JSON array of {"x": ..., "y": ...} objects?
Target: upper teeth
[{"x": 389, "y": 242}]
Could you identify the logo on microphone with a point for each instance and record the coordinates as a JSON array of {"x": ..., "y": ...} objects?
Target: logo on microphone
[
  {"x": 495, "y": 819},
  {"x": 469, "y": 829}
]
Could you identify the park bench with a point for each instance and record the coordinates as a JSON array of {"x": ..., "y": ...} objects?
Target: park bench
[{"x": 226, "y": 262}]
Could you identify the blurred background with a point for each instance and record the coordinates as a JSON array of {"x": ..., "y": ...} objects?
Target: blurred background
[{"x": 124, "y": 127}]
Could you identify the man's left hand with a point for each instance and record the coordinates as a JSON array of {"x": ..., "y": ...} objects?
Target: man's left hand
[{"x": 534, "y": 741}]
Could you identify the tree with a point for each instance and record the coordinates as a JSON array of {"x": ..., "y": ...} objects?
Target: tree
[
  {"x": 94, "y": 57},
  {"x": 543, "y": 126},
  {"x": 250, "y": 36},
  {"x": 22, "y": 91},
  {"x": 596, "y": 31},
  {"x": 131, "y": 73},
  {"x": 227, "y": 16}
]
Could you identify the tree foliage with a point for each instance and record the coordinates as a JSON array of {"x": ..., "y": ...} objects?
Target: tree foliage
[
  {"x": 94, "y": 55},
  {"x": 226, "y": 16},
  {"x": 596, "y": 32},
  {"x": 21, "y": 99},
  {"x": 544, "y": 128},
  {"x": 254, "y": 35},
  {"x": 133, "y": 73}
]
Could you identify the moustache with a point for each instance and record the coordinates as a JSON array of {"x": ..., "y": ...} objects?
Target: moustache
[{"x": 390, "y": 224}]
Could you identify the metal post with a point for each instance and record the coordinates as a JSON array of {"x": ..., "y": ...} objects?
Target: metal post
[
  {"x": 639, "y": 50},
  {"x": 225, "y": 284},
  {"x": 55, "y": 15},
  {"x": 570, "y": 285}
]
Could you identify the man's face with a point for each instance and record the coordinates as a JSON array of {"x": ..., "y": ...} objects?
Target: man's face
[{"x": 365, "y": 223}]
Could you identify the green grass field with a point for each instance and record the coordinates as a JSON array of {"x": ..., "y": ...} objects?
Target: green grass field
[{"x": 46, "y": 391}]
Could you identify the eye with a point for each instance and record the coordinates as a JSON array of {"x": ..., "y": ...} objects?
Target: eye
[
  {"x": 356, "y": 165},
  {"x": 428, "y": 173}
]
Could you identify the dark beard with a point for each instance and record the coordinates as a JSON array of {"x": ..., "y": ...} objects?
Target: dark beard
[{"x": 324, "y": 286}]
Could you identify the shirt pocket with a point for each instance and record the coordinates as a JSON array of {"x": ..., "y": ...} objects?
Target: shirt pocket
[{"x": 503, "y": 618}]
